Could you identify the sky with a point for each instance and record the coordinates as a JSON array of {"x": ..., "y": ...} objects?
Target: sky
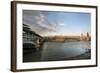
[{"x": 51, "y": 23}]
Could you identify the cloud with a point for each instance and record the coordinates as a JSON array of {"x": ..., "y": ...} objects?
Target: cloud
[
  {"x": 61, "y": 24},
  {"x": 38, "y": 21}
]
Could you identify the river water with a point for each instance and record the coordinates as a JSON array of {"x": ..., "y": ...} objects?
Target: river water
[
  {"x": 53, "y": 51},
  {"x": 59, "y": 50}
]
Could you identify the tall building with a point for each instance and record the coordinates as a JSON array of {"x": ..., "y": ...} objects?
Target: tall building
[
  {"x": 82, "y": 36},
  {"x": 87, "y": 36}
]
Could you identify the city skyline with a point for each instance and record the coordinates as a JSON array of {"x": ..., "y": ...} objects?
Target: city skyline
[{"x": 50, "y": 23}]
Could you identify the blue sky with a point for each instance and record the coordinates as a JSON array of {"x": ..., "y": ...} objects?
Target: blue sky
[
  {"x": 72, "y": 22},
  {"x": 58, "y": 23}
]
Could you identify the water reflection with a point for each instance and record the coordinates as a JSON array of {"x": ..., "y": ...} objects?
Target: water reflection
[
  {"x": 54, "y": 51},
  {"x": 58, "y": 50}
]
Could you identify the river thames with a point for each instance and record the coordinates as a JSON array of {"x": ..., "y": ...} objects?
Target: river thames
[{"x": 57, "y": 51}]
